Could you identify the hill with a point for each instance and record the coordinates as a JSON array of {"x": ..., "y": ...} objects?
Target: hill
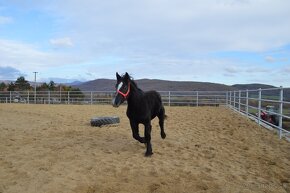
[
  {"x": 154, "y": 84},
  {"x": 165, "y": 85},
  {"x": 97, "y": 85},
  {"x": 251, "y": 86}
]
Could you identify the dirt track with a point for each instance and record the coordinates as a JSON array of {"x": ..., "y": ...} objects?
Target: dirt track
[{"x": 52, "y": 148}]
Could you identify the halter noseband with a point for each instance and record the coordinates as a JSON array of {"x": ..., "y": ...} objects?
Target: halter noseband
[{"x": 125, "y": 95}]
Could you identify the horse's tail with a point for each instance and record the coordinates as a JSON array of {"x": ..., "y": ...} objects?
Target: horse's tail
[{"x": 165, "y": 117}]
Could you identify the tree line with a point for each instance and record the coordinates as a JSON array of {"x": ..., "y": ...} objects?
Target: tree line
[{"x": 23, "y": 85}]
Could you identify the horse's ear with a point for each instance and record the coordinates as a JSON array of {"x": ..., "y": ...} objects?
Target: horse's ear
[
  {"x": 126, "y": 77},
  {"x": 118, "y": 76}
]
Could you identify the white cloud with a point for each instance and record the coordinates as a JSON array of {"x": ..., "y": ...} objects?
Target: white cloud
[
  {"x": 28, "y": 57},
  {"x": 169, "y": 39},
  {"x": 232, "y": 69},
  {"x": 258, "y": 69},
  {"x": 17, "y": 54},
  {"x": 61, "y": 42},
  {"x": 153, "y": 26},
  {"x": 9, "y": 73},
  {"x": 5, "y": 20},
  {"x": 171, "y": 26},
  {"x": 285, "y": 70},
  {"x": 270, "y": 59},
  {"x": 164, "y": 68}
]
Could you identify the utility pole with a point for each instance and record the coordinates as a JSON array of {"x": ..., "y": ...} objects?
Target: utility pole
[{"x": 35, "y": 87}]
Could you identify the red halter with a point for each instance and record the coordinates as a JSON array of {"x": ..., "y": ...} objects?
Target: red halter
[{"x": 125, "y": 95}]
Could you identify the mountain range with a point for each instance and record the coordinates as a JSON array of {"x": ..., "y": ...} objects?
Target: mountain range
[
  {"x": 154, "y": 84},
  {"x": 159, "y": 85},
  {"x": 166, "y": 85}
]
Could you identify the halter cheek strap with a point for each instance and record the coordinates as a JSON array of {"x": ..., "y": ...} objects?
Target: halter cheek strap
[{"x": 125, "y": 95}]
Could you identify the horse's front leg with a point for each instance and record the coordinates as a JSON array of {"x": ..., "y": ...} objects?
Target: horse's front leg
[
  {"x": 147, "y": 133},
  {"x": 135, "y": 132}
]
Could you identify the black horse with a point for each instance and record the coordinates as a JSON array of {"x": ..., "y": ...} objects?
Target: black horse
[{"x": 142, "y": 108}]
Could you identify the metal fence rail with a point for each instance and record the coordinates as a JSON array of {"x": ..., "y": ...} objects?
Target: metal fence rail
[
  {"x": 170, "y": 98},
  {"x": 194, "y": 98},
  {"x": 56, "y": 97},
  {"x": 254, "y": 103},
  {"x": 250, "y": 103}
]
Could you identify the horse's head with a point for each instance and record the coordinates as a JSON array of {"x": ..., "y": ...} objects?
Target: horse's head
[{"x": 122, "y": 89}]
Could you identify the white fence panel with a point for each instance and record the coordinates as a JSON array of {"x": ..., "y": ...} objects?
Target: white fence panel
[
  {"x": 251, "y": 103},
  {"x": 267, "y": 107}
]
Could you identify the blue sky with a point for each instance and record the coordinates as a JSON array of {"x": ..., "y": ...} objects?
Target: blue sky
[{"x": 221, "y": 41}]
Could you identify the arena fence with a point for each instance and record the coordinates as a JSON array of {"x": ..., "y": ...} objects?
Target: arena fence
[
  {"x": 268, "y": 107},
  {"x": 170, "y": 98}
]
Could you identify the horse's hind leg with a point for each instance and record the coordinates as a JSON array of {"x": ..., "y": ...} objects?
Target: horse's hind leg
[{"x": 161, "y": 118}]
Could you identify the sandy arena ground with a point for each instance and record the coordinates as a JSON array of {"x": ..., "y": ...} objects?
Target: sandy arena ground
[{"x": 53, "y": 149}]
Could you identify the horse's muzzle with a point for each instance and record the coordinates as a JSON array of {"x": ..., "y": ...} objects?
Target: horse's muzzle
[
  {"x": 114, "y": 103},
  {"x": 117, "y": 101}
]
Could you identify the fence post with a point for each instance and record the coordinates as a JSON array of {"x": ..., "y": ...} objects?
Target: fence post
[
  {"x": 234, "y": 100},
  {"x": 91, "y": 97},
  {"x": 35, "y": 97},
  {"x": 169, "y": 98},
  {"x": 259, "y": 106},
  {"x": 197, "y": 98},
  {"x": 230, "y": 99},
  {"x": 68, "y": 97},
  {"x": 239, "y": 101},
  {"x": 281, "y": 112},
  {"x": 247, "y": 103},
  {"x": 59, "y": 95},
  {"x": 227, "y": 97},
  {"x": 10, "y": 97},
  {"x": 48, "y": 97},
  {"x": 28, "y": 97}
]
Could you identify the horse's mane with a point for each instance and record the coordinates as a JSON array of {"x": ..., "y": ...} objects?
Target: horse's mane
[{"x": 133, "y": 82}]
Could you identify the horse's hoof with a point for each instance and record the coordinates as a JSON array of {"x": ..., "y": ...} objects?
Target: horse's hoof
[
  {"x": 148, "y": 154},
  {"x": 163, "y": 135}
]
